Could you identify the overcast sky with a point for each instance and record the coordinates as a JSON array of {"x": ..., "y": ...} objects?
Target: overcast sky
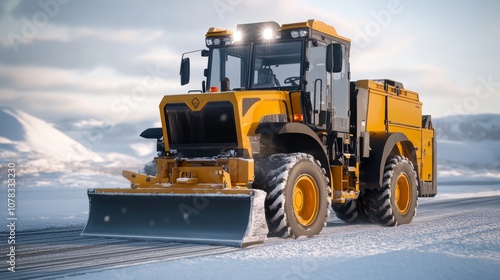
[{"x": 114, "y": 60}]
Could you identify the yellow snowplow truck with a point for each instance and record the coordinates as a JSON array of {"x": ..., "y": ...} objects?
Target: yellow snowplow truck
[{"x": 276, "y": 137}]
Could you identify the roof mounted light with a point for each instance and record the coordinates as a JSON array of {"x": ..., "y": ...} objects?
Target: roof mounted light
[
  {"x": 253, "y": 32},
  {"x": 268, "y": 34},
  {"x": 237, "y": 36},
  {"x": 298, "y": 33},
  {"x": 212, "y": 42},
  {"x": 218, "y": 41}
]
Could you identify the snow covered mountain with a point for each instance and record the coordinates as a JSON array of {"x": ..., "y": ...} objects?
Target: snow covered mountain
[
  {"x": 468, "y": 146},
  {"x": 43, "y": 154},
  {"x": 485, "y": 127},
  {"x": 102, "y": 137},
  {"x": 23, "y": 136}
]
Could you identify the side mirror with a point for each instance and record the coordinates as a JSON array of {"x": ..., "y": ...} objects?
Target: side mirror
[
  {"x": 185, "y": 71},
  {"x": 334, "y": 58}
]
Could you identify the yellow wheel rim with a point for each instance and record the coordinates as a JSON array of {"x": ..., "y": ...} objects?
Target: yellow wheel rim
[
  {"x": 305, "y": 200},
  {"x": 403, "y": 193}
]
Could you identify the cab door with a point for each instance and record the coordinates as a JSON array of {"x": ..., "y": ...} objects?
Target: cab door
[{"x": 318, "y": 89}]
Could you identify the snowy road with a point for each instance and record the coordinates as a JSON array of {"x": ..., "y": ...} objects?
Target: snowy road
[
  {"x": 45, "y": 254},
  {"x": 454, "y": 236}
]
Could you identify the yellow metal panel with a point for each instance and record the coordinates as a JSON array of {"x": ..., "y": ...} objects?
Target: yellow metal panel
[
  {"x": 296, "y": 103},
  {"x": 139, "y": 180},
  {"x": 315, "y": 25},
  {"x": 164, "y": 168},
  {"x": 205, "y": 174},
  {"x": 404, "y": 111},
  {"x": 217, "y": 32},
  {"x": 196, "y": 102},
  {"x": 336, "y": 171},
  {"x": 344, "y": 185},
  {"x": 241, "y": 170},
  {"x": 403, "y": 107},
  {"x": 375, "y": 117},
  {"x": 404, "y": 115},
  {"x": 271, "y": 103},
  {"x": 413, "y": 134},
  {"x": 427, "y": 151},
  {"x": 225, "y": 173},
  {"x": 177, "y": 190}
]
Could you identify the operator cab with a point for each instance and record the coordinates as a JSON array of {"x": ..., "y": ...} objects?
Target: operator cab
[{"x": 308, "y": 58}]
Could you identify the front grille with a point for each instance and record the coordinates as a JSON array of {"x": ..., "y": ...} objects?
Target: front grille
[{"x": 212, "y": 126}]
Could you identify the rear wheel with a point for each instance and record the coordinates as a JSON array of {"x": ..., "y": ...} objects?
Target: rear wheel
[
  {"x": 298, "y": 194},
  {"x": 395, "y": 203}
]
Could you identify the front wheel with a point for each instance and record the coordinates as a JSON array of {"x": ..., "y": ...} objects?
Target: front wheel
[
  {"x": 298, "y": 194},
  {"x": 395, "y": 203}
]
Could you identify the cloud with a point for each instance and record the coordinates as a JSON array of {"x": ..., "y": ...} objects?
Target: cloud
[
  {"x": 53, "y": 93},
  {"x": 41, "y": 78},
  {"x": 116, "y": 14},
  {"x": 60, "y": 33},
  {"x": 111, "y": 108},
  {"x": 88, "y": 54},
  {"x": 143, "y": 149},
  {"x": 89, "y": 123}
]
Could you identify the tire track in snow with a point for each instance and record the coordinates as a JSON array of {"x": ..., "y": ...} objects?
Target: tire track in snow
[
  {"x": 468, "y": 222},
  {"x": 48, "y": 254},
  {"x": 439, "y": 226}
]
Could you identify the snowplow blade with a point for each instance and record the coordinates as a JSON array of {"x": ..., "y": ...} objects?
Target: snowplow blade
[{"x": 231, "y": 218}]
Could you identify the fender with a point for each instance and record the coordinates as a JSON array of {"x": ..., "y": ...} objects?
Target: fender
[
  {"x": 280, "y": 137},
  {"x": 381, "y": 147}
]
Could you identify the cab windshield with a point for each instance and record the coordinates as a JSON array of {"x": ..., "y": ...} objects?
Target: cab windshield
[{"x": 271, "y": 66}]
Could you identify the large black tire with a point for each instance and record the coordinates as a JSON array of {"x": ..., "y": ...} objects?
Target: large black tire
[
  {"x": 395, "y": 203},
  {"x": 351, "y": 212},
  {"x": 298, "y": 195}
]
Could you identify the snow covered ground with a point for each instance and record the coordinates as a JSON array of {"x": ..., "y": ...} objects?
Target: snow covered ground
[
  {"x": 455, "y": 235},
  {"x": 437, "y": 245}
]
